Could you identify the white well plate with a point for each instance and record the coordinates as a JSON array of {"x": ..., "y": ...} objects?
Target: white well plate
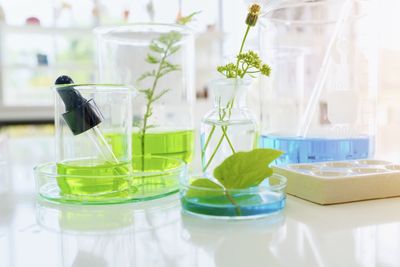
[{"x": 342, "y": 181}]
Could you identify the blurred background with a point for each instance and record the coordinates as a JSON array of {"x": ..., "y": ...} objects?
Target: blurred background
[{"x": 42, "y": 39}]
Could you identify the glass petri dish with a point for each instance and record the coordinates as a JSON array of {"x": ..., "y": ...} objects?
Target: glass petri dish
[
  {"x": 256, "y": 202},
  {"x": 140, "y": 184}
]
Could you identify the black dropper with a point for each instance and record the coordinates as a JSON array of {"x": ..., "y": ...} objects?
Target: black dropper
[{"x": 81, "y": 114}]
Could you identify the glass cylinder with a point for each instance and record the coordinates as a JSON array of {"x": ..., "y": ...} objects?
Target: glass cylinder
[
  {"x": 159, "y": 60},
  {"x": 93, "y": 142},
  {"x": 319, "y": 104},
  {"x": 229, "y": 127}
]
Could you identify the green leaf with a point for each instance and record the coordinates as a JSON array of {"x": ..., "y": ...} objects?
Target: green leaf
[
  {"x": 173, "y": 49},
  {"x": 147, "y": 74},
  {"x": 152, "y": 59},
  {"x": 246, "y": 169},
  {"x": 185, "y": 20},
  {"x": 170, "y": 38},
  {"x": 204, "y": 187},
  {"x": 150, "y": 126},
  {"x": 156, "y": 48},
  {"x": 168, "y": 65},
  {"x": 155, "y": 98},
  {"x": 168, "y": 71}
]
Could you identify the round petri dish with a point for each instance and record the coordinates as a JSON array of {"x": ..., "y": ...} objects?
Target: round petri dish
[
  {"x": 252, "y": 203},
  {"x": 145, "y": 179}
]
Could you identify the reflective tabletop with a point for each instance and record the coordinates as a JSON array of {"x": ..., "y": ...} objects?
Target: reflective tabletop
[{"x": 156, "y": 233}]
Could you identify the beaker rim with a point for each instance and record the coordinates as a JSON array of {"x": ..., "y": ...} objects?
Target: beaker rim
[
  {"x": 49, "y": 169},
  {"x": 98, "y": 87},
  {"x": 106, "y": 32},
  {"x": 185, "y": 183},
  {"x": 306, "y": 22},
  {"x": 246, "y": 81}
]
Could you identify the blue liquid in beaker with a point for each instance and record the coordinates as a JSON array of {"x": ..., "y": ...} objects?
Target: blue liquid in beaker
[{"x": 305, "y": 150}]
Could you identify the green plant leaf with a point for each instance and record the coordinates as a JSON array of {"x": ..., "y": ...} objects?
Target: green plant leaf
[
  {"x": 147, "y": 74},
  {"x": 173, "y": 50},
  {"x": 195, "y": 191},
  {"x": 185, "y": 20},
  {"x": 156, "y": 48},
  {"x": 152, "y": 59},
  {"x": 155, "y": 98},
  {"x": 246, "y": 169},
  {"x": 170, "y": 38}
]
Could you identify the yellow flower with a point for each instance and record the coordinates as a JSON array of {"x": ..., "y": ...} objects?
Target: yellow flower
[{"x": 252, "y": 16}]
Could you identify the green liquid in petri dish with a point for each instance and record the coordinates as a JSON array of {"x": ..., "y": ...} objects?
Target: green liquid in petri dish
[
  {"x": 175, "y": 144},
  {"x": 94, "y": 179}
]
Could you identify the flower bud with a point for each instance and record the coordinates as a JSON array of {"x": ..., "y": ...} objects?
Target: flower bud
[{"x": 252, "y": 16}]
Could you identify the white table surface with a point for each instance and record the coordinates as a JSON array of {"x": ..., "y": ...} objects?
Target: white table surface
[{"x": 156, "y": 233}]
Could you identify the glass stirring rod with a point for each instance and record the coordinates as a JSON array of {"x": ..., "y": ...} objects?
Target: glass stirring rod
[{"x": 97, "y": 138}]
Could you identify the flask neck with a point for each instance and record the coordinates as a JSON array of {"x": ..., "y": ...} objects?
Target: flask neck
[{"x": 229, "y": 93}]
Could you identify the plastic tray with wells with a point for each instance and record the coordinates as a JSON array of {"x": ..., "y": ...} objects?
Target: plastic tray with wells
[{"x": 342, "y": 181}]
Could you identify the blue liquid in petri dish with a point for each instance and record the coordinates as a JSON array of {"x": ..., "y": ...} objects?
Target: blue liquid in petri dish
[
  {"x": 249, "y": 205},
  {"x": 306, "y": 150}
]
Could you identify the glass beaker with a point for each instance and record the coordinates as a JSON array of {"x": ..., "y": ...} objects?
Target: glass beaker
[
  {"x": 159, "y": 60},
  {"x": 324, "y": 108},
  {"x": 229, "y": 127},
  {"x": 93, "y": 141}
]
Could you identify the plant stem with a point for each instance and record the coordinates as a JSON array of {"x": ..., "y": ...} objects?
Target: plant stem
[
  {"x": 203, "y": 150},
  {"x": 213, "y": 154},
  {"x": 148, "y": 105},
  {"x": 229, "y": 107},
  {"x": 234, "y": 203},
  {"x": 241, "y": 49},
  {"x": 224, "y": 134}
]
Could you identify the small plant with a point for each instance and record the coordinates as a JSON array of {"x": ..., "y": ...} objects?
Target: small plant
[
  {"x": 161, "y": 50},
  {"x": 241, "y": 170},
  {"x": 248, "y": 64}
]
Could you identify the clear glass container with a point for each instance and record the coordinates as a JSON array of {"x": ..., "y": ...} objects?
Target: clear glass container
[
  {"x": 229, "y": 127},
  {"x": 111, "y": 186},
  {"x": 319, "y": 104},
  {"x": 159, "y": 60},
  {"x": 93, "y": 124},
  {"x": 255, "y": 202}
]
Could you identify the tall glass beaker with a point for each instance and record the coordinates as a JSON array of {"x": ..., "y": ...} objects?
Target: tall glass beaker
[
  {"x": 319, "y": 103},
  {"x": 159, "y": 60}
]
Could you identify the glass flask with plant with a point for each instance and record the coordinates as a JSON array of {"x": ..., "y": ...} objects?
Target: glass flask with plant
[{"x": 230, "y": 127}]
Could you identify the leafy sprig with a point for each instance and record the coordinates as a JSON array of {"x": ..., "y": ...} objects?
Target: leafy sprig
[
  {"x": 161, "y": 49},
  {"x": 247, "y": 63}
]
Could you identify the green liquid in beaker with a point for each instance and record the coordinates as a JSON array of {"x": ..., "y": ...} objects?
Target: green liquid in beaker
[
  {"x": 94, "y": 179},
  {"x": 175, "y": 144}
]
